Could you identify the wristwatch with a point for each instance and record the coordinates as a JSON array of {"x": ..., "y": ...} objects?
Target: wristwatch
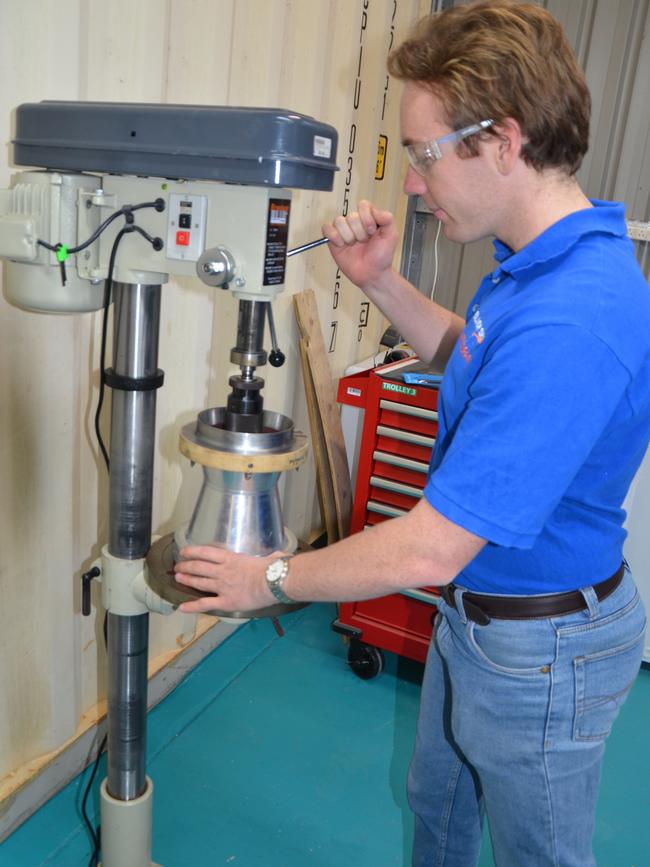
[{"x": 276, "y": 574}]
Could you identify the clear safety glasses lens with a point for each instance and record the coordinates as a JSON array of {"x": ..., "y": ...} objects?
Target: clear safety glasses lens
[{"x": 423, "y": 154}]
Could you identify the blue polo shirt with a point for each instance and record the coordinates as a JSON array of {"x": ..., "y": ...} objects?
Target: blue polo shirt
[{"x": 544, "y": 413}]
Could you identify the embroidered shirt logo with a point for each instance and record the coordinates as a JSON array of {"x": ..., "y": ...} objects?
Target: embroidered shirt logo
[
  {"x": 470, "y": 339},
  {"x": 479, "y": 329}
]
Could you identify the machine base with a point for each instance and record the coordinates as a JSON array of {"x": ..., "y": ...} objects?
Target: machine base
[
  {"x": 160, "y": 578},
  {"x": 126, "y": 829}
]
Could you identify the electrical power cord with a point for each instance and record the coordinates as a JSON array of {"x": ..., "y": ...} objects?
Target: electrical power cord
[
  {"x": 62, "y": 251},
  {"x": 108, "y": 286},
  {"x": 95, "y": 834},
  {"x": 125, "y": 211},
  {"x": 435, "y": 255},
  {"x": 435, "y": 271}
]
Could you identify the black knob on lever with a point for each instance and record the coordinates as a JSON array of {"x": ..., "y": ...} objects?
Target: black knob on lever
[
  {"x": 276, "y": 355},
  {"x": 276, "y": 358}
]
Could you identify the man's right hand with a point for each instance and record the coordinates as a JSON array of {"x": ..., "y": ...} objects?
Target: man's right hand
[{"x": 363, "y": 244}]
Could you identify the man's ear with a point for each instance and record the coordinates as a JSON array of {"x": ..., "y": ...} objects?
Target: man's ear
[{"x": 507, "y": 143}]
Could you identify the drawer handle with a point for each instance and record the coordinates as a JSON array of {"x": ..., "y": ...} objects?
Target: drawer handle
[
  {"x": 429, "y": 598},
  {"x": 382, "y": 509},
  {"x": 405, "y": 436},
  {"x": 399, "y": 461},
  {"x": 407, "y": 409},
  {"x": 397, "y": 487}
]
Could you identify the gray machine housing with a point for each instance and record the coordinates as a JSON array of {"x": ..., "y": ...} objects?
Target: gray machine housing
[{"x": 261, "y": 146}]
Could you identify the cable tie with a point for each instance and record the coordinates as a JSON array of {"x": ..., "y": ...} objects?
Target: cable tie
[{"x": 62, "y": 254}]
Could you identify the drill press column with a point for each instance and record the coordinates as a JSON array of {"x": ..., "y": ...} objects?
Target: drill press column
[{"x": 133, "y": 418}]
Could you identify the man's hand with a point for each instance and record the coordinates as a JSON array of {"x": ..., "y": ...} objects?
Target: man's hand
[
  {"x": 234, "y": 582},
  {"x": 363, "y": 244}
]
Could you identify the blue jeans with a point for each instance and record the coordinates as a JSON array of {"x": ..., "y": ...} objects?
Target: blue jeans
[{"x": 513, "y": 721}]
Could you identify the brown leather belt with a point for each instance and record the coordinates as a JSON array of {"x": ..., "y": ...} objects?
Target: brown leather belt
[{"x": 481, "y": 608}]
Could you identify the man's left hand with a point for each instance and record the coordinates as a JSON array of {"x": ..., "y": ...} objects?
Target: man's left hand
[{"x": 233, "y": 582}]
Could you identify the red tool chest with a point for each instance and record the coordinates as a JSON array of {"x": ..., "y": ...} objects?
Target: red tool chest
[{"x": 400, "y": 424}]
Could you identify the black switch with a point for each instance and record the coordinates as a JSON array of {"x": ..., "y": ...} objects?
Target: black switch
[{"x": 185, "y": 221}]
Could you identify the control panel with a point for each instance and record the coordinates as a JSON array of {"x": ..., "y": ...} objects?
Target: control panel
[{"x": 187, "y": 218}]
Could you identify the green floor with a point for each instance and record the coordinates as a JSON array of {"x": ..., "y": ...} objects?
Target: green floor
[{"x": 272, "y": 754}]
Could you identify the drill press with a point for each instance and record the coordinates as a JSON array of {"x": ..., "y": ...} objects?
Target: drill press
[{"x": 129, "y": 194}]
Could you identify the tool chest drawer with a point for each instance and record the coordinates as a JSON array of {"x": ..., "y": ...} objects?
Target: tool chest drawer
[
  {"x": 418, "y": 449},
  {"x": 408, "y": 418},
  {"x": 400, "y": 426},
  {"x": 401, "y": 469}
]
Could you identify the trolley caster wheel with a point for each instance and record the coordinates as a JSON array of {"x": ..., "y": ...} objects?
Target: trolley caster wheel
[{"x": 364, "y": 660}]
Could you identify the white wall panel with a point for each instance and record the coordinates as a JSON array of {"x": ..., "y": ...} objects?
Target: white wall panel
[
  {"x": 124, "y": 50},
  {"x": 199, "y": 51},
  {"x": 38, "y": 395},
  {"x": 325, "y": 58}
]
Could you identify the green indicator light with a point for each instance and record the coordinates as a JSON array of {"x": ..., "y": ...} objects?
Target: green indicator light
[{"x": 62, "y": 253}]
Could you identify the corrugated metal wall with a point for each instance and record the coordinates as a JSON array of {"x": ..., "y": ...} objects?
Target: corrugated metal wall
[
  {"x": 324, "y": 58},
  {"x": 610, "y": 39}
]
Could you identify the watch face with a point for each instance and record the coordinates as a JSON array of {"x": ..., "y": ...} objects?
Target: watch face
[{"x": 275, "y": 570}]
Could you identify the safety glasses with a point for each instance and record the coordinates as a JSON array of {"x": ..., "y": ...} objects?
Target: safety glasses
[{"x": 422, "y": 154}]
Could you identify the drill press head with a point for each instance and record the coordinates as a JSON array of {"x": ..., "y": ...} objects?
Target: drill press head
[{"x": 223, "y": 174}]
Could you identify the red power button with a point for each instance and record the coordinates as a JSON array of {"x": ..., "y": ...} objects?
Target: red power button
[{"x": 182, "y": 239}]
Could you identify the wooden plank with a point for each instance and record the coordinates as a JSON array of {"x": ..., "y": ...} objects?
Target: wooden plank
[
  {"x": 325, "y": 391},
  {"x": 324, "y": 487}
]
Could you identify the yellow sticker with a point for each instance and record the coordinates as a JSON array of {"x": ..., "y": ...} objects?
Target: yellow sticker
[{"x": 382, "y": 147}]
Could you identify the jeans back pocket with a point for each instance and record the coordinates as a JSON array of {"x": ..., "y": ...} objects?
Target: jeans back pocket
[{"x": 602, "y": 681}]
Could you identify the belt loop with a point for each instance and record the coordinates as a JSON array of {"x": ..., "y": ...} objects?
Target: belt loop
[
  {"x": 458, "y": 601},
  {"x": 591, "y": 601}
]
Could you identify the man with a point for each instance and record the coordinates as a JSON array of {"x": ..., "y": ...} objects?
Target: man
[{"x": 544, "y": 419}]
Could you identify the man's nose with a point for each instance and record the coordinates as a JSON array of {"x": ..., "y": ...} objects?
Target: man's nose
[{"x": 414, "y": 184}]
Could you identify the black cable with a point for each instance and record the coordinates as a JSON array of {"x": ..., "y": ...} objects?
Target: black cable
[
  {"x": 102, "y": 383},
  {"x": 156, "y": 243},
  {"x": 95, "y": 835},
  {"x": 159, "y": 205},
  {"x": 108, "y": 284}
]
